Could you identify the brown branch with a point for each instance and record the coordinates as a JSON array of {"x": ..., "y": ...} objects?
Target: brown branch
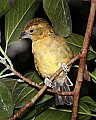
[
  {"x": 79, "y": 80},
  {"x": 27, "y": 80},
  {"x": 61, "y": 93},
  {"x": 31, "y": 102},
  {"x": 83, "y": 59}
]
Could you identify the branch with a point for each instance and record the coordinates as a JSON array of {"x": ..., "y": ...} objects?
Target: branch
[
  {"x": 27, "y": 80},
  {"x": 82, "y": 62},
  {"x": 31, "y": 102},
  {"x": 79, "y": 80}
]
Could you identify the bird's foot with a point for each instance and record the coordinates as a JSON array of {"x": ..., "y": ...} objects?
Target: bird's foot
[
  {"x": 20, "y": 80},
  {"x": 48, "y": 82},
  {"x": 65, "y": 68}
]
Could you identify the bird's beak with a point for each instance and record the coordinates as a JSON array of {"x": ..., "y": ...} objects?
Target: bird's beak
[{"x": 25, "y": 35}]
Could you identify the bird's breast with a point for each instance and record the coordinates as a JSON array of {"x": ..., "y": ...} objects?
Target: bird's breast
[{"x": 49, "y": 54}]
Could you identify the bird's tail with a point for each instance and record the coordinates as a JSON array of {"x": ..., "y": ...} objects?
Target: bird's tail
[{"x": 63, "y": 84}]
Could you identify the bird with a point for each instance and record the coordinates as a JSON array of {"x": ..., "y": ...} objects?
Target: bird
[{"x": 50, "y": 51}]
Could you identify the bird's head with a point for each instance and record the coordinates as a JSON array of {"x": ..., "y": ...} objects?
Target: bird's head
[{"x": 37, "y": 28}]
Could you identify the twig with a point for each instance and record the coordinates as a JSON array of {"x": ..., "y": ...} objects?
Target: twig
[
  {"x": 83, "y": 59},
  {"x": 31, "y": 102},
  {"x": 79, "y": 80},
  {"x": 6, "y": 75},
  {"x": 6, "y": 57},
  {"x": 27, "y": 80}
]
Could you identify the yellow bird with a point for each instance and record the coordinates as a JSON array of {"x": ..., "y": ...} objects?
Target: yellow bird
[{"x": 50, "y": 52}]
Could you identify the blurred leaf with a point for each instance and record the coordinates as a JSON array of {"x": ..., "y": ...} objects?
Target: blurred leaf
[
  {"x": 17, "y": 17},
  {"x": 6, "y": 103},
  {"x": 26, "y": 91},
  {"x": 28, "y": 114},
  {"x": 44, "y": 105},
  {"x": 29, "y": 91},
  {"x": 5, "y": 5},
  {"x": 94, "y": 76},
  {"x": 59, "y": 14},
  {"x": 23, "y": 92},
  {"x": 84, "y": 111},
  {"x": 88, "y": 100},
  {"x": 9, "y": 82},
  {"x": 92, "y": 108},
  {"x": 33, "y": 111},
  {"x": 75, "y": 42},
  {"x": 54, "y": 114},
  {"x": 14, "y": 86},
  {"x": 44, "y": 98}
]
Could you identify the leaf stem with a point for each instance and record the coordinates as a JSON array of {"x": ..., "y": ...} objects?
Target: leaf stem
[
  {"x": 6, "y": 75},
  {"x": 6, "y": 57},
  {"x": 3, "y": 71}
]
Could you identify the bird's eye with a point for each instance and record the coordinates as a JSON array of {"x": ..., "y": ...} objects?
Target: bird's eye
[{"x": 31, "y": 31}]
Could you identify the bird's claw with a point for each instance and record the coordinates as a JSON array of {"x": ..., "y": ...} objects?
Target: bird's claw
[
  {"x": 69, "y": 83},
  {"x": 65, "y": 68},
  {"x": 20, "y": 80},
  {"x": 48, "y": 82}
]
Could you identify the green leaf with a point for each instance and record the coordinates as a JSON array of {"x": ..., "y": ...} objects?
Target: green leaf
[
  {"x": 44, "y": 105},
  {"x": 59, "y": 14},
  {"x": 14, "y": 86},
  {"x": 93, "y": 75},
  {"x": 75, "y": 42},
  {"x": 54, "y": 114},
  {"x": 92, "y": 108},
  {"x": 28, "y": 114},
  {"x": 16, "y": 18},
  {"x": 28, "y": 91},
  {"x": 5, "y": 6},
  {"x": 6, "y": 103},
  {"x": 22, "y": 92},
  {"x": 88, "y": 100},
  {"x": 84, "y": 111},
  {"x": 35, "y": 110}
]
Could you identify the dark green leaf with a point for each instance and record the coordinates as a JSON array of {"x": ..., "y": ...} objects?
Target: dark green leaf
[
  {"x": 36, "y": 110},
  {"x": 92, "y": 108},
  {"x": 94, "y": 75},
  {"x": 29, "y": 91},
  {"x": 54, "y": 114},
  {"x": 22, "y": 92},
  {"x": 75, "y": 42},
  {"x": 9, "y": 82},
  {"x": 4, "y": 6},
  {"x": 59, "y": 14},
  {"x": 6, "y": 103},
  {"x": 44, "y": 105},
  {"x": 17, "y": 17},
  {"x": 84, "y": 112},
  {"x": 28, "y": 114},
  {"x": 14, "y": 86},
  {"x": 88, "y": 100}
]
